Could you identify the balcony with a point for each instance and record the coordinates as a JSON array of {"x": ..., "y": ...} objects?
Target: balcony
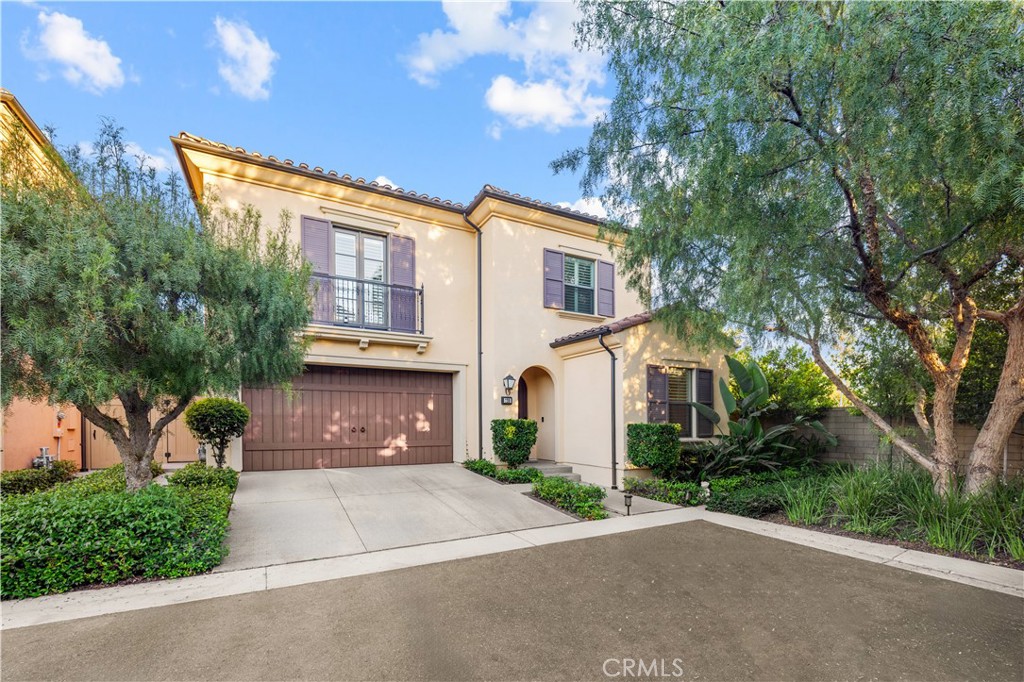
[{"x": 366, "y": 304}]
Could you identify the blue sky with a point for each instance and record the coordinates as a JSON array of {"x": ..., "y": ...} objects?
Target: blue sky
[{"x": 436, "y": 97}]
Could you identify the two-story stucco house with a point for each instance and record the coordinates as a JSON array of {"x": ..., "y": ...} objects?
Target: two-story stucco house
[{"x": 423, "y": 311}]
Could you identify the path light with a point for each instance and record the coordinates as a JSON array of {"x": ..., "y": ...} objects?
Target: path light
[
  {"x": 201, "y": 452},
  {"x": 628, "y": 499},
  {"x": 509, "y": 383}
]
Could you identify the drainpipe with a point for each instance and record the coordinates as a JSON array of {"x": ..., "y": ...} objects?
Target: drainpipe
[
  {"x": 615, "y": 463},
  {"x": 479, "y": 337}
]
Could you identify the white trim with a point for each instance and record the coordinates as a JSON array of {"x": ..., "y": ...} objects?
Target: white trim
[
  {"x": 369, "y": 336},
  {"x": 360, "y": 220},
  {"x": 569, "y": 315},
  {"x": 412, "y": 364}
]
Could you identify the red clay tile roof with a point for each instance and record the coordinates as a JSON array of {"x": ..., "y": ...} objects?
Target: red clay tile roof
[
  {"x": 610, "y": 328},
  {"x": 373, "y": 186}
]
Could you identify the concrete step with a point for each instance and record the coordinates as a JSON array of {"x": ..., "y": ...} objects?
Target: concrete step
[{"x": 553, "y": 469}]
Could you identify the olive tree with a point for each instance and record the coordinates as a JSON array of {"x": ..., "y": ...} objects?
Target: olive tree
[
  {"x": 806, "y": 167},
  {"x": 117, "y": 286}
]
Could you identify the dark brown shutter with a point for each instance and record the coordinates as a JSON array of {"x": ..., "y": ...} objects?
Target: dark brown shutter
[
  {"x": 554, "y": 279},
  {"x": 316, "y": 247},
  {"x": 657, "y": 394},
  {"x": 705, "y": 396},
  {"x": 403, "y": 276},
  {"x": 605, "y": 289}
]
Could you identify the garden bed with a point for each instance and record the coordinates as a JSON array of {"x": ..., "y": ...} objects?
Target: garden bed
[
  {"x": 488, "y": 469},
  {"x": 919, "y": 545},
  {"x": 91, "y": 531}
]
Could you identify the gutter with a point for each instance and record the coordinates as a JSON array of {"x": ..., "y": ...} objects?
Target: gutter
[
  {"x": 615, "y": 463},
  {"x": 479, "y": 337}
]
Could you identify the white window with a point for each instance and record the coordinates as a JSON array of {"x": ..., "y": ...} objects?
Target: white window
[{"x": 579, "y": 285}]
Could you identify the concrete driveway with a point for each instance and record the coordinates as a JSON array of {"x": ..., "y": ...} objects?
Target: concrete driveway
[{"x": 284, "y": 516}]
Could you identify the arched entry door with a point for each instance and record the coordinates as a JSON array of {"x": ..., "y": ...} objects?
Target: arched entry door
[{"x": 537, "y": 402}]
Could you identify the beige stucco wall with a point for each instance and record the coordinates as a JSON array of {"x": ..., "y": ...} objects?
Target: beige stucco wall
[
  {"x": 517, "y": 328},
  {"x": 587, "y": 434},
  {"x": 445, "y": 268}
]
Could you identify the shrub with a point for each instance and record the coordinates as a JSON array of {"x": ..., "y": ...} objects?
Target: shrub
[
  {"x": 750, "y": 480},
  {"x": 655, "y": 446},
  {"x": 807, "y": 501},
  {"x": 217, "y": 421},
  {"x": 481, "y": 466},
  {"x": 24, "y": 481},
  {"x": 580, "y": 499},
  {"x": 663, "y": 490},
  {"x": 524, "y": 475},
  {"x": 866, "y": 500},
  {"x": 513, "y": 439},
  {"x": 198, "y": 475},
  {"x": 1000, "y": 514},
  {"x": 80, "y": 534},
  {"x": 754, "y": 502}
]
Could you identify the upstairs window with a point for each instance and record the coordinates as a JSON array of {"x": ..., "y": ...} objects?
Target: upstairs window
[{"x": 579, "y": 285}]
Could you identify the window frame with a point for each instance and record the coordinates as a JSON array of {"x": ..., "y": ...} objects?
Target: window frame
[
  {"x": 566, "y": 286},
  {"x": 361, "y": 281},
  {"x": 691, "y": 387}
]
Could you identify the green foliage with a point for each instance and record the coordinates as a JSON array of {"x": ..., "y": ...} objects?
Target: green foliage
[
  {"x": 80, "y": 534},
  {"x": 23, "y": 481},
  {"x": 797, "y": 386},
  {"x": 807, "y": 501},
  {"x": 754, "y": 502},
  {"x": 655, "y": 446},
  {"x": 797, "y": 168},
  {"x": 673, "y": 492},
  {"x": 728, "y": 484},
  {"x": 577, "y": 498},
  {"x": 483, "y": 467},
  {"x": 198, "y": 475},
  {"x": 513, "y": 439},
  {"x": 524, "y": 475},
  {"x": 116, "y": 286},
  {"x": 217, "y": 421},
  {"x": 746, "y": 445}
]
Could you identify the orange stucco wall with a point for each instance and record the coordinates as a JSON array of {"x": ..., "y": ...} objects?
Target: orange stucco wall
[{"x": 28, "y": 426}]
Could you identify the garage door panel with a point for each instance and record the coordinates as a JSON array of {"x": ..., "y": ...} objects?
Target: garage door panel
[{"x": 347, "y": 417}]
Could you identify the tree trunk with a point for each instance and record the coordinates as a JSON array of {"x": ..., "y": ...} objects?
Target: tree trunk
[
  {"x": 944, "y": 450},
  {"x": 138, "y": 453},
  {"x": 1006, "y": 411}
]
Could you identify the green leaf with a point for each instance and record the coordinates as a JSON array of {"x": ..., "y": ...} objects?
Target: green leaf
[
  {"x": 727, "y": 397},
  {"x": 707, "y": 412},
  {"x": 739, "y": 372}
]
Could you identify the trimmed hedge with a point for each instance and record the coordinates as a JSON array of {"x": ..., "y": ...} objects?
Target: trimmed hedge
[
  {"x": 578, "y": 498},
  {"x": 655, "y": 446},
  {"x": 486, "y": 468},
  {"x": 92, "y": 530},
  {"x": 729, "y": 484},
  {"x": 481, "y": 466},
  {"x": 524, "y": 475},
  {"x": 24, "y": 481},
  {"x": 217, "y": 421},
  {"x": 198, "y": 475},
  {"x": 754, "y": 502},
  {"x": 682, "y": 493},
  {"x": 513, "y": 439}
]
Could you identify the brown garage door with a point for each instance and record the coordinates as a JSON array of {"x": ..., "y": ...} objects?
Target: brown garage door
[{"x": 349, "y": 417}]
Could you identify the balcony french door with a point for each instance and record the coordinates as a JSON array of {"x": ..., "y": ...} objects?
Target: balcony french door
[{"x": 362, "y": 257}]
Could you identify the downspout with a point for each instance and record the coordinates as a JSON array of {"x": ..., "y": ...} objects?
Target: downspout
[
  {"x": 479, "y": 337},
  {"x": 615, "y": 452}
]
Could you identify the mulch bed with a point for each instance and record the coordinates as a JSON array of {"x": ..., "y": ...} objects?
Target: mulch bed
[{"x": 921, "y": 546}]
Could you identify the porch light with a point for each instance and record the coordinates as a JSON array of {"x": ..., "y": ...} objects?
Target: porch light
[
  {"x": 509, "y": 382},
  {"x": 628, "y": 499}
]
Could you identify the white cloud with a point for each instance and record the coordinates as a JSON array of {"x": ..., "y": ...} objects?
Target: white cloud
[
  {"x": 591, "y": 206},
  {"x": 248, "y": 63},
  {"x": 85, "y": 62},
  {"x": 554, "y": 91},
  {"x": 385, "y": 180}
]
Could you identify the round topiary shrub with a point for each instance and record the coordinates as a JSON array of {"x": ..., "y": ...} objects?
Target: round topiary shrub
[
  {"x": 217, "y": 421},
  {"x": 513, "y": 439},
  {"x": 655, "y": 446}
]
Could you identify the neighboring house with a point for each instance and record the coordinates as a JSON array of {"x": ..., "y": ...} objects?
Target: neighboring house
[
  {"x": 26, "y": 426},
  {"x": 422, "y": 307}
]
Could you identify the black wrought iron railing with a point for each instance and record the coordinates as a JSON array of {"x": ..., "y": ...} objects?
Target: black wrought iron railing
[{"x": 366, "y": 304}]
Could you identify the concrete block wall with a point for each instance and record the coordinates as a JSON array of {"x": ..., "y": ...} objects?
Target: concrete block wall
[{"x": 860, "y": 442}]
